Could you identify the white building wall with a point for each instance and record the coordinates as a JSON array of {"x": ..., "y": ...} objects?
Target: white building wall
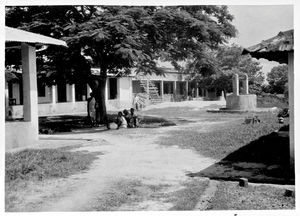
[
  {"x": 125, "y": 90},
  {"x": 47, "y": 98}
]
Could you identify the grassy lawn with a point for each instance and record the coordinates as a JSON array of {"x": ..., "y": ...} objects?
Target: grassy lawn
[
  {"x": 225, "y": 137},
  {"x": 37, "y": 165},
  {"x": 230, "y": 196}
]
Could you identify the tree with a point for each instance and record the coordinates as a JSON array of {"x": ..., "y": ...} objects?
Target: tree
[
  {"x": 118, "y": 39},
  {"x": 278, "y": 79},
  {"x": 223, "y": 63}
]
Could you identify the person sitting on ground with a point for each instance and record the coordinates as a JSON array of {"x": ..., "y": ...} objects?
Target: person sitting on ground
[
  {"x": 133, "y": 119},
  {"x": 121, "y": 121},
  {"x": 126, "y": 115}
]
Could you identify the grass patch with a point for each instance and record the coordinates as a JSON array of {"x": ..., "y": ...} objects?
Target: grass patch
[
  {"x": 187, "y": 198},
  {"x": 120, "y": 193},
  {"x": 38, "y": 164},
  {"x": 266, "y": 101},
  {"x": 223, "y": 138},
  {"x": 230, "y": 196}
]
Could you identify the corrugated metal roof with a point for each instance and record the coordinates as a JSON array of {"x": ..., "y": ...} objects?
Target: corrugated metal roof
[
  {"x": 17, "y": 35},
  {"x": 275, "y": 48}
]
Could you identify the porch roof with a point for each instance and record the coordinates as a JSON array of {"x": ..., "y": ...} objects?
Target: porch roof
[
  {"x": 17, "y": 35},
  {"x": 275, "y": 48}
]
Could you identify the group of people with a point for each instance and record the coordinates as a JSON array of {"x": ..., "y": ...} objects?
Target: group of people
[{"x": 127, "y": 119}]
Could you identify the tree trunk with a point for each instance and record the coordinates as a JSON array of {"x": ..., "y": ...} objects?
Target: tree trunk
[
  {"x": 98, "y": 84},
  {"x": 101, "y": 114}
]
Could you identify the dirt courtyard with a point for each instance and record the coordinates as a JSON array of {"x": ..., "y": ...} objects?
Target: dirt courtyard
[{"x": 134, "y": 172}]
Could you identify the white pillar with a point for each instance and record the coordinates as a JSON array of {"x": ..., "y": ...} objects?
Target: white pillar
[
  {"x": 30, "y": 108},
  {"x": 235, "y": 84},
  {"x": 197, "y": 90},
  {"x": 6, "y": 95},
  {"x": 174, "y": 88},
  {"x": 53, "y": 94},
  {"x": 187, "y": 88},
  {"x": 162, "y": 89},
  {"x": 73, "y": 93},
  {"x": 291, "y": 106},
  {"x": 148, "y": 90},
  {"x": 246, "y": 84},
  {"x": 107, "y": 86}
]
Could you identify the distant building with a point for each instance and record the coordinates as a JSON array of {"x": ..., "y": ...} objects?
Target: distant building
[{"x": 64, "y": 98}]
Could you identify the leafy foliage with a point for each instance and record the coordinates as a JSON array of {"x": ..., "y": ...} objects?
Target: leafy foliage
[
  {"x": 278, "y": 79},
  {"x": 118, "y": 39},
  {"x": 223, "y": 63}
]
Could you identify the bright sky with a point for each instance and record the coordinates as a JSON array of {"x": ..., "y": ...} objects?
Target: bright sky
[{"x": 260, "y": 22}]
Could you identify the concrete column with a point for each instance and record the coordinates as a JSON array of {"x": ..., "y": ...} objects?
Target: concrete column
[
  {"x": 187, "y": 88},
  {"x": 235, "y": 84},
  {"x": 246, "y": 86},
  {"x": 30, "y": 108},
  {"x": 162, "y": 89},
  {"x": 197, "y": 90},
  {"x": 71, "y": 93},
  {"x": 148, "y": 90},
  {"x": 106, "y": 89},
  {"x": 53, "y": 94},
  {"x": 174, "y": 90},
  {"x": 291, "y": 107},
  {"x": 6, "y": 95}
]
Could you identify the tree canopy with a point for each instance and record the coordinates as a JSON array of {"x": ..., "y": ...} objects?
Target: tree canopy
[
  {"x": 278, "y": 79},
  {"x": 119, "y": 38},
  {"x": 222, "y": 63}
]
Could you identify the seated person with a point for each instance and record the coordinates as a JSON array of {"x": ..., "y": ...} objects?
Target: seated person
[
  {"x": 133, "y": 119},
  {"x": 126, "y": 115},
  {"x": 121, "y": 121}
]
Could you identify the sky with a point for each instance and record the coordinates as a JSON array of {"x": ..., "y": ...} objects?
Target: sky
[{"x": 260, "y": 22}]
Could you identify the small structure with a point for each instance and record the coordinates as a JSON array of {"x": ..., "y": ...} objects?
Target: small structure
[
  {"x": 25, "y": 132},
  {"x": 281, "y": 49},
  {"x": 243, "y": 101}
]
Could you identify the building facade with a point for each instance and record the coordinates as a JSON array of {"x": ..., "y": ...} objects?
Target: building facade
[{"x": 63, "y": 98}]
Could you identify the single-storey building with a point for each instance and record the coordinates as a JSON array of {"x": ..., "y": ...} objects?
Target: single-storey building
[{"x": 64, "y": 98}]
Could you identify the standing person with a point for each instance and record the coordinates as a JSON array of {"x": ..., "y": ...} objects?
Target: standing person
[
  {"x": 121, "y": 121},
  {"x": 91, "y": 102},
  {"x": 136, "y": 101}
]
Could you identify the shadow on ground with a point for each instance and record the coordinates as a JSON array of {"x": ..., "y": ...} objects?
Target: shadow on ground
[
  {"x": 265, "y": 160},
  {"x": 68, "y": 123}
]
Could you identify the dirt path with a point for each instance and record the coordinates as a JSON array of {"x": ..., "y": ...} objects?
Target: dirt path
[{"x": 134, "y": 173}]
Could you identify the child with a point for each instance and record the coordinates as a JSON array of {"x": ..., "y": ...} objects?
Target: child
[
  {"x": 133, "y": 118},
  {"x": 121, "y": 121}
]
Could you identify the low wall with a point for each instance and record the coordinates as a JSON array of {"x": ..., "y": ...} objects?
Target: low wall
[
  {"x": 241, "y": 102},
  {"x": 67, "y": 108},
  {"x": 20, "y": 134}
]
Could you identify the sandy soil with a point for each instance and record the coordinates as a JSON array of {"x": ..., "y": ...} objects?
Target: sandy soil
[{"x": 129, "y": 155}]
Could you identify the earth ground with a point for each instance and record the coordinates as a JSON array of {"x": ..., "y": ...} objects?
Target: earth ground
[{"x": 186, "y": 166}]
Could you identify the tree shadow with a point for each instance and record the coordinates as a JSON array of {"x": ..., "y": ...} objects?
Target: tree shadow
[
  {"x": 265, "y": 160},
  {"x": 69, "y": 124}
]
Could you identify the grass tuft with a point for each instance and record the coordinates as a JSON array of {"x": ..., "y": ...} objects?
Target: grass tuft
[{"x": 38, "y": 164}]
